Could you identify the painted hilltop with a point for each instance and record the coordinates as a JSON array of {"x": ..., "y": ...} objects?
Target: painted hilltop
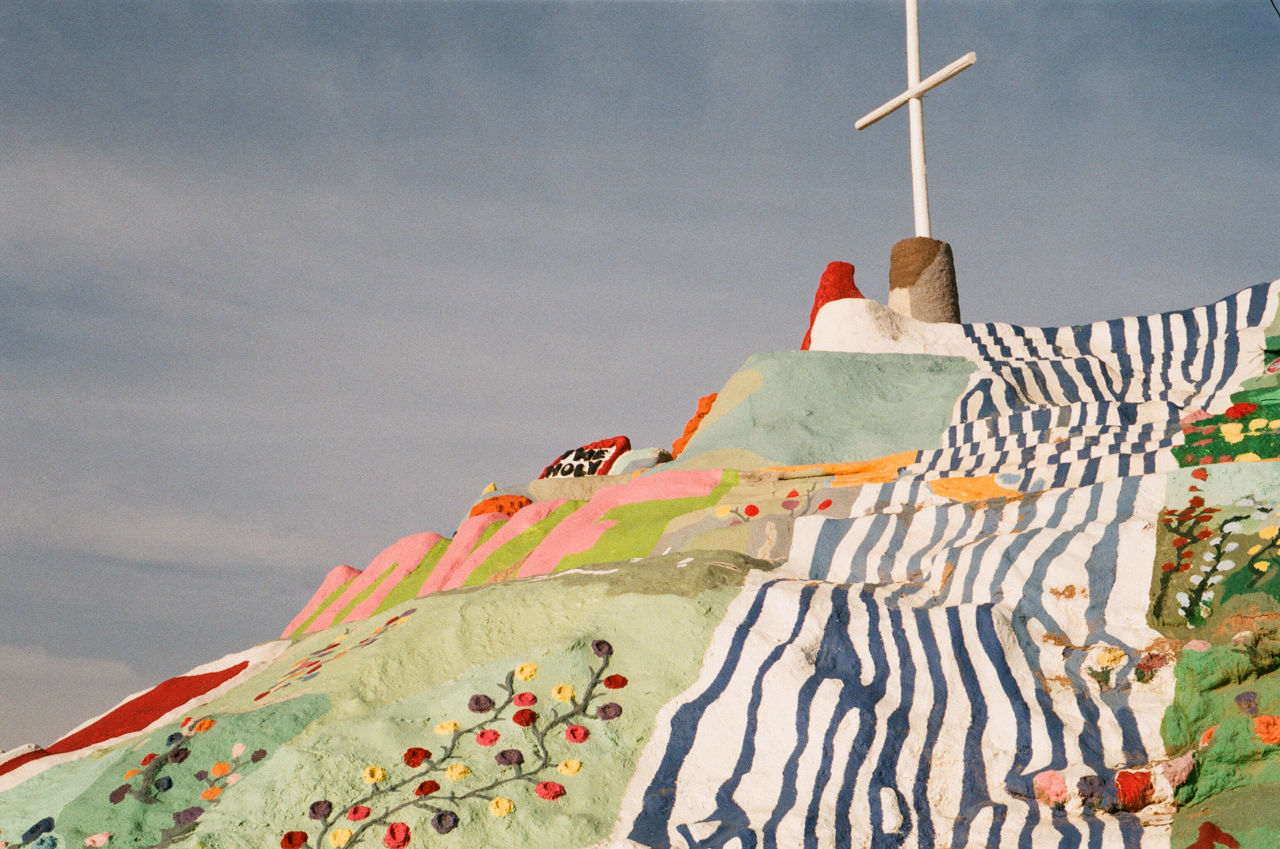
[{"x": 917, "y": 584}]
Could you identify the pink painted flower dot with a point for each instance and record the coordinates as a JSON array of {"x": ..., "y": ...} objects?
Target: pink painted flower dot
[
  {"x": 549, "y": 790},
  {"x": 359, "y": 812},
  {"x": 576, "y": 734},
  {"x": 524, "y": 699},
  {"x": 487, "y": 737}
]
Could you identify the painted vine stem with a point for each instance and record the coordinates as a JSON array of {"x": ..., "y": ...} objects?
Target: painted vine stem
[{"x": 443, "y": 807}]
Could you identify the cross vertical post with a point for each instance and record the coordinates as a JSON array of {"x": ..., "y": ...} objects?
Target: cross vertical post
[{"x": 915, "y": 110}]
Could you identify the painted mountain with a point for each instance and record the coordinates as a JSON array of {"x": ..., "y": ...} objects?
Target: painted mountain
[{"x": 919, "y": 585}]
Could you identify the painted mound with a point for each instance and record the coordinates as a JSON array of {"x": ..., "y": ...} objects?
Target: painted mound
[{"x": 920, "y": 585}]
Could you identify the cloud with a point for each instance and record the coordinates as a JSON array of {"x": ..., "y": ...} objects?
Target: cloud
[{"x": 45, "y": 694}]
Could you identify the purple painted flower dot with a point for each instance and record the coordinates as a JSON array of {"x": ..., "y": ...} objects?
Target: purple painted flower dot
[
  {"x": 258, "y": 755},
  {"x": 320, "y": 810},
  {"x": 177, "y": 756},
  {"x": 480, "y": 703},
  {"x": 188, "y": 815},
  {"x": 202, "y": 775},
  {"x": 117, "y": 796},
  {"x": 1248, "y": 702},
  {"x": 444, "y": 822},
  {"x": 601, "y": 648},
  {"x": 45, "y": 825},
  {"x": 509, "y": 757},
  {"x": 1091, "y": 789},
  {"x": 611, "y": 710}
]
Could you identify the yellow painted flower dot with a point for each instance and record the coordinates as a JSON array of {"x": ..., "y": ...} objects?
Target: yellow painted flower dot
[
  {"x": 563, "y": 693},
  {"x": 1268, "y": 532},
  {"x": 723, "y": 510},
  {"x": 1255, "y": 549},
  {"x": 1262, "y": 565},
  {"x": 447, "y": 727},
  {"x": 526, "y": 671},
  {"x": 1111, "y": 656},
  {"x": 1232, "y": 432},
  {"x": 1257, "y": 424},
  {"x": 500, "y": 807},
  {"x": 457, "y": 772},
  {"x": 569, "y": 767},
  {"x": 340, "y": 837},
  {"x": 1247, "y": 457},
  {"x": 374, "y": 775}
]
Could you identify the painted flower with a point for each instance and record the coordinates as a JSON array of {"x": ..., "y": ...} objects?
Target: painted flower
[
  {"x": 563, "y": 693},
  {"x": 576, "y": 734},
  {"x": 203, "y": 725},
  {"x": 374, "y": 775},
  {"x": 130, "y": 773},
  {"x": 1133, "y": 789},
  {"x": 42, "y": 827},
  {"x": 524, "y": 717},
  {"x": 601, "y": 648},
  {"x": 237, "y": 750},
  {"x": 524, "y": 699},
  {"x": 526, "y": 671},
  {"x": 190, "y": 815},
  {"x": 1050, "y": 787},
  {"x": 1178, "y": 770},
  {"x": 163, "y": 784},
  {"x": 1247, "y": 702},
  {"x": 569, "y": 767},
  {"x": 1092, "y": 790},
  {"x": 487, "y": 737},
  {"x": 1240, "y": 410},
  {"x": 99, "y": 839},
  {"x": 233, "y": 778},
  {"x": 1207, "y": 736},
  {"x": 173, "y": 738},
  {"x": 211, "y": 793},
  {"x": 1267, "y": 728},
  {"x": 426, "y": 788},
  {"x": 320, "y": 810},
  {"x": 614, "y": 682},
  {"x": 825, "y": 504},
  {"x": 359, "y": 812},
  {"x": 220, "y": 769},
  {"x": 549, "y": 790},
  {"x": 500, "y": 807},
  {"x": 340, "y": 837},
  {"x": 751, "y": 510},
  {"x": 444, "y": 822},
  {"x": 790, "y": 504},
  {"x": 258, "y": 754},
  {"x": 177, "y": 756},
  {"x": 1111, "y": 657},
  {"x": 480, "y": 703},
  {"x": 457, "y": 772},
  {"x": 447, "y": 727},
  {"x": 149, "y": 758},
  {"x": 509, "y": 757},
  {"x": 611, "y": 710},
  {"x": 414, "y": 757},
  {"x": 397, "y": 836},
  {"x": 293, "y": 840}
]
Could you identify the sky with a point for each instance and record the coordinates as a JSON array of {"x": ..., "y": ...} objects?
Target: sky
[{"x": 281, "y": 283}]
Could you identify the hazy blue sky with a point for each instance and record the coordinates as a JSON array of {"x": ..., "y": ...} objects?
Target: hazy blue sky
[{"x": 282, "y": 283}]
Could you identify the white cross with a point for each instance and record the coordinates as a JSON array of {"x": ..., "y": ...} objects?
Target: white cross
[{"x": 915, "y": 88}]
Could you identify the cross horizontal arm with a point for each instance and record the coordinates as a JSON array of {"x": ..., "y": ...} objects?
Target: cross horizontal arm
[{"x": 916, "y": 90}]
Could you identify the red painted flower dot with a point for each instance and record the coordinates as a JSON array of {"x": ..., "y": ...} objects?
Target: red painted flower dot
[
  {"x": 415, "y": 756},
  {"x": 1206, "y": 460},
  {"x": 549, "y": 790},
  {"x": 793, "y": 494},
  {"x": 293, "y": 840},
  {"x": 1239, "y": 411},
  {"x": 1133, "y": 789},
  {"x": 524, "y": 718},
  {"x": 1167, "y": 567},
  {"x": 149, "y": 758},
  {"x": 524, "y": 699},
  {"x": 359, "y": 812},
  {"x": 426, "y": 788},
  {"x": 1200, "y": 474},
  {"x": 397, "y": 836},
  {"x": 825, "y": 504},
  {"x": 487, "y": 737},
  {"x": 576, "y": 734},
  {"x": 614, "y": 682},
  {"x": 751, "y": 510}
]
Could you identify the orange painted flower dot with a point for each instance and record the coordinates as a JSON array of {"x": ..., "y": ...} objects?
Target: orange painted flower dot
[
  {"x": 220, "y": 769},
  {"x": 1267, "y": 728},
  {"x": 203, "y": 725},
  {"x": 211, "y": 793}
]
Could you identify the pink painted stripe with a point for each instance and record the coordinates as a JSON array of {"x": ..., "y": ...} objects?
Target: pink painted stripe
[
  {"x": 403, "y": 548},
  {"x": 408, "y": 554},
  {"x": 583, "y": 529},
  {"x": 463, "y": 542},
  {"x": 524, "y": 519},
  {"x": 337, "y": 576}
]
